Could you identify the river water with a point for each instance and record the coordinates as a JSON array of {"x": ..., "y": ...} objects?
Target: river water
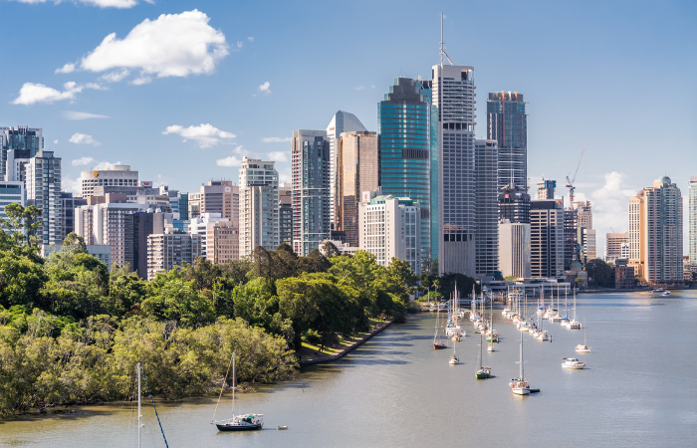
[{"x": 640, "y": 389}]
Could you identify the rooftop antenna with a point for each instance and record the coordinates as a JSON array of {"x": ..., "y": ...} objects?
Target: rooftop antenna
[{"x": 442, "y": 44}]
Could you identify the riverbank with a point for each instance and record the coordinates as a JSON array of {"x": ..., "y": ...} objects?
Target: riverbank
[{"x": 325, "y": 358}]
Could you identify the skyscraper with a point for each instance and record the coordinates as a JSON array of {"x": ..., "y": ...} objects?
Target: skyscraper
[
  {"x": 405, "y": 147},
  {"x": 657, "y": 214},
  {"x": 341, "y": 122},
  {"x": 454, "y": 97},
  {"x": 507, "y": 123},
  {"x": 486, "y": 208},
  {"x": 547, "y": 238},
  {"x": 20, "y": 138},
  {"x": 259, "y": 222},
  {"x": 285, "y": 214},
  {"x": 216, "y": 196},
  {"x": 545, "y": 189},
  {"x": 117, "y": 175},
  {"x": 357, "y": 171},
  {"x": 514, "y": 204},
  {"x": 514, "y": 249},
  {"x": 692, "y": 216},
  {"x": 43, "y": 187},
  {"x": 310, "y": 177}
]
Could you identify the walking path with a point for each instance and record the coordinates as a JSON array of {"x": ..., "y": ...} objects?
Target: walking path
[{"x": 321, "y": 359}]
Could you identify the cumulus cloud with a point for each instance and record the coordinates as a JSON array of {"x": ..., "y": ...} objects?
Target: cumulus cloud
[
  {"x": 239, "y": 44},
  {"x": 171, "y": 45},
  {"x": 105, "y": 165},
  {"x": 116, "y": 76},
  {"x": 83, "y": 161},
  {"x": 55, "y": 142},
  {"x": 276, "y": 139},
  {"x": 67, "y": 68},
  {"x": 83, "y": 139},
  {"x": 265, "y": 88},
  {"x": 205, "y": 135},
  {"x": 250, "y": 38},
  {"x": 359, "y": 88},
  {"x": 31, "y": 93},
  {"x": 73, "y": 186},
  {"x": 141, "y": 80},
  {"x": 610, "y": 203},
  {"x": 71, "y": 115},
  {"x": 278, "y": 156},
  {"x": 119, "y": 4},
  {"x": 229, "y": 161}
]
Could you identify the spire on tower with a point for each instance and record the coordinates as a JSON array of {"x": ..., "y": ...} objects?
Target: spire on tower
[{"x": 442, "y": 44}]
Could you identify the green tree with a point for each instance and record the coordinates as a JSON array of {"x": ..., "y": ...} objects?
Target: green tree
[
  {"x": 21, "y": 280},
  {"x": 172, "y": 298},
  {"x": 18, "y": 230},
  {"x": 599, "y": 273}
]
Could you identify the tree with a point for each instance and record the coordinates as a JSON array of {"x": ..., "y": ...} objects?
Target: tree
[
  {"x": 74, "y": 242},
  {"x": 599, "y": 273},
  {"x": 21, "y": 280},
  {"x": 18, "y": 230}
]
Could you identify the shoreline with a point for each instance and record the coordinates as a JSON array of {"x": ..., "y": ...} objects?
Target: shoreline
[{"x": 323, "y": 359}]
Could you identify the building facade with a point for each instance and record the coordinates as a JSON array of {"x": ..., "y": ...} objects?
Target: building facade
[
  {"x": 692, "y": 219},
  {"x": 614, "y": 245},
  {"x": 28, "y": 141},
  {"x": 258, "y": 213},
  {"x": 390, "y": 227},
  {"x": 357, "y": 171},
  {"x": 117, "y": 176},
  {"x": 310, "y": 163},
  {"x": 226, "y": 242},
  {"x": 507, "y": 123},
  {"x": 11, "y": 192},
  {"x": 545, "y": 189},
  {"x": 43, "y": 188},
  {"x": 170, "y": 249},
  {"x": 486, "y": 208},
  {"x": 216, "y": 196},
  {"x": 203, "y": 226},
  {"x": 514, "y": 204},
  {"x": 406, "y": 142},
  {"x": 285, "y": 215},
  {"x": 546, "y": 238},
  {"x": 514, "y": 249}
]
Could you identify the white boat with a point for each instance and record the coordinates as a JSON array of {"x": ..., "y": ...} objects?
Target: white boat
[
  {"x": 243, "y": 422},
  {"x": 520, "y": 385},
  {"x": 573, "y": 323},
  {"x": 573, "y": 363},
  {"x": 454, "y": 359},
  {"x": 482, "y": 372},
  {"x": 583, "y": 348},
  {"x": 666, "y": 293},
  {"x": 542, "y": 336}
]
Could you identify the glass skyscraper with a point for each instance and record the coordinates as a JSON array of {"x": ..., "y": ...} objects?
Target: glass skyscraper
[
  {"x": 405, "y": 150},
  {"x": 507, "y": 123},
  {"x": 19, "y": 138}
]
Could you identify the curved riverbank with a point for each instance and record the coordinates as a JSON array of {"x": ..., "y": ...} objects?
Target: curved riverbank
[{"x": 322, "y": 359}]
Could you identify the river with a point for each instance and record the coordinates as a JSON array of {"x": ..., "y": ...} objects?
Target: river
[{"x": 640, "y": 389}]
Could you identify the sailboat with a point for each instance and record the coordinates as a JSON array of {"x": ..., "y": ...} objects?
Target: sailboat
[
  {"x": 492, "y": 336},
  {"x": 243, "y": 422},
  {"x": 454, "y": 359},
  {"x": 482, "y": 372},
  {"x": 520, "y": 385},
  {"x": 574, "y": 324},
  {"x": 438, "y": 343},
  {"x": 583, "y": 348}
]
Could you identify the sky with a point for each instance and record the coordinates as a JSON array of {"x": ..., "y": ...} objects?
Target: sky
[{"x": 183, "y": 90}]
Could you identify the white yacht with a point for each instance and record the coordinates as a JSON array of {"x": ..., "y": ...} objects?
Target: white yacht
[{"x": 573, "y": 363}]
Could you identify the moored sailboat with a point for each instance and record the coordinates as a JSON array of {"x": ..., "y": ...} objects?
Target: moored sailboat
[
  {"x": 243, "y": 422},
  {"x": 482, "y": 372},
  {"x": 520, "y": 385}
]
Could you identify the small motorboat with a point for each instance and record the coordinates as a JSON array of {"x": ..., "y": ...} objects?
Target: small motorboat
[
  {"x": 573, "y": 363},
  {"x": 666, "y": 293}
]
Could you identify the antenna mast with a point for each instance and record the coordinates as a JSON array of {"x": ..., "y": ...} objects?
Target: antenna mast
[{"x": 442, "y": 44}]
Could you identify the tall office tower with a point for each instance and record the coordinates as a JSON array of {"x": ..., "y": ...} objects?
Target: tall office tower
[
  {"x": 341, "y": 122},
  {"x": 507, "y": 123},
  {"x": 10, "y": 192},
  {"x": 118, "y": 175},
  {"x": 572, "y": 251},
  {"x": 68, "y": 205},
  {"x": 588, "y": 244},
  {"x": 285, "y": 215},
  {"x": 545, "y": 189},
  {"x": 357, "y": 171},
  {"x": 138, "y": 226},
  {"x": 405, "y": 147},
  {"x": 514, "y": 204},
  {"x": 486, "y": 208},
  {"x": 658, "y": 210},
  {"x": 171, "y": 248},
  {"x": 514, "y": 249},
  {"x": 454, "y": 97},
  {"x": 389, "y": 228},
  {"x": 21, "y": 138},
  {"x": 585, "y": 214},
  {"x": 310, "y": 178},
  {"x": 203, "y": 226},
  {"x": 546, "y": 238},
  {"x": 225, "y": 242},
  {"x": 258, "y": 212},
  {"x": 17, "y": 159},
  {"x": 692, "y": 217},
  {"x": 43, "y": 187},
  {"x": 216, "y": 196}
]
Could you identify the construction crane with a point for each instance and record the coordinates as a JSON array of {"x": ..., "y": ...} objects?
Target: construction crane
[{"x": 570, "y": 182}]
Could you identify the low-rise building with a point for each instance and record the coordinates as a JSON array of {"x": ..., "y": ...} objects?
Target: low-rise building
[{"x": 624, "y": 274}]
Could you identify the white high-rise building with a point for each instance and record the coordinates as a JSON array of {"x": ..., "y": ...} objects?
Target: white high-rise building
[
  {"x": 43, "y": 186},
  {"x": 259, "y": 221},
  {"x": 514, "y": 249},
  {"x": 170, "y": 249},
  {"x": 390, "y": 227},
  {"x": 547, "y": 238},
  {"x": 692, "y": 217},
  {"x": 340, "y": 122},
  {"x": 454, "y": 96},
  {"x": 118, "y": 175}
]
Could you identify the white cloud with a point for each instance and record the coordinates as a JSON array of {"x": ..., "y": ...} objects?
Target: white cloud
[
  {"x": 284, "y": 177},
  {"x": 120, "y": 4},
  {"x": 72, "y": 186},
  {"x": 265, "y": 87},
  {"x": 71, "y": 115},
  {"x": 141, "y": 80},
  {"x": 276, "y": 139},
  {"x": 31, "y": 93},
  {"x": 359, "y": 88},
  {"x": 239, "y": 44},
  {"x": 83, "y": 139},
  {"x": 240, "y": 150},
  {"x": 105, "y": 165},
  {"x": 171, "y": 45},
  {"x": 83, "y": 161},
  {"x": 116, "y": 76},
  {"x": 229, "y": 161},
  {"x": 278, "y": 156},
  {"x": 250, "y": 38},
  {"x": 205, "y": 134},
  {"x": 67, "y": 68},
  {"x": 55, "y": 142},
  {"x": 610, "y": 205}
]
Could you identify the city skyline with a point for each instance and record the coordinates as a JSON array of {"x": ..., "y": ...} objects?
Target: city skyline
[{"x": 590, "y": 71}]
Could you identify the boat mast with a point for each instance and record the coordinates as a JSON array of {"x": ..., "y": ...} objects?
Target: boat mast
[
  {"x": 574, "y": 304},
  {"x": 139, "y": 414},
  {"x": 522, "y": 371},
  {"x": 233, "y": 385}
]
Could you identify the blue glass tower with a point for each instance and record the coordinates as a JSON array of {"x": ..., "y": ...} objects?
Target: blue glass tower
[{"x": 405, "y": 149}]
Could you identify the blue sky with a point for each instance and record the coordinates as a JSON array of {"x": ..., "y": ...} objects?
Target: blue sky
[{"x": 618, "y": 77}]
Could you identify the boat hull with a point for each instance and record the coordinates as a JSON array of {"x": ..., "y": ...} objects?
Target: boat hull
[
  {"x": 521, "y": 391},
  {"x": 438, "y": 346},
  {"x": 232, "y": 428}
]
